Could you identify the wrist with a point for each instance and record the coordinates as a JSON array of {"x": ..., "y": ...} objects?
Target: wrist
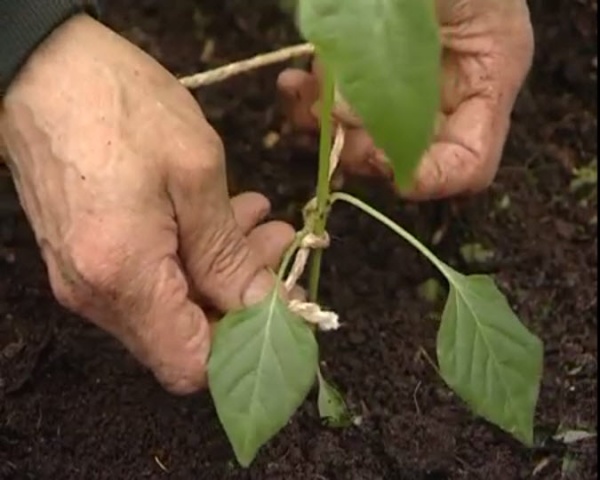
[
  {"x": 56, "y": 53},
  {"x": 44, "y": 63},
  {"x": 83, "y": 81},
  {"x": 25, "y": 24},
  {"x": 67, "y": 74}
]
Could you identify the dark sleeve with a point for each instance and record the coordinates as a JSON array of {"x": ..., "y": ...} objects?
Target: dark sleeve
[{"x": 24, "y": 24}]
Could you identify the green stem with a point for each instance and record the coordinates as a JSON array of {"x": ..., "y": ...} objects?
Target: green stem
[
  {"x": 323, "y": 193},
  {"x": 444, "y": 269}
]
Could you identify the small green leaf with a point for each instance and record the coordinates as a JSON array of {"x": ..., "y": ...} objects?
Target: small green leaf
[
  {"x": 474, "y": 253},
  {"x": 385, "y": 55},
  {"x": 431, "y": 290},
  {"x": 263, "y": 364},
  {"x": 586, "y": 176},
  {"x": 332, "y": 407},
  {"x": 488, "y": 356}
]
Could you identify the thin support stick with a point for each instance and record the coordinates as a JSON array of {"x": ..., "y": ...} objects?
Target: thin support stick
[{"x": 223, "y": 73}]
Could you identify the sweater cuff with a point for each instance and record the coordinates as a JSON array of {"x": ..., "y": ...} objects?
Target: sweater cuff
[{"x": 24, "y": 24}]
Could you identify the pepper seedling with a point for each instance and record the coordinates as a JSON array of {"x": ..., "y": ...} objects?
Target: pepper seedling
[{"x": 384, "y": 58}]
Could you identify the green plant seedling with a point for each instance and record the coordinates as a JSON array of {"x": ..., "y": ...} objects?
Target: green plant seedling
[
  {"x": 332, "y": 407},
  {"x": 383, "y": 57}
]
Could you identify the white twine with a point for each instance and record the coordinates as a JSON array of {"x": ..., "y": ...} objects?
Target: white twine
[
  {"x": 309, "y": 311},
  {"x": 227, "y": 71},
  {"x": 312, "y": 312},
  {"x": 310, "y": 241},
  {"x": 315, "y": 315},
  {"x": 336, "y": 150}
]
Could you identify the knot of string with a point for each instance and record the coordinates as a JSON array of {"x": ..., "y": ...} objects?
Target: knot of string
[
  {"x": 309, "y": 311},
  {"x": 315, "y": 315},
  {"x": 309, "y": 241}
]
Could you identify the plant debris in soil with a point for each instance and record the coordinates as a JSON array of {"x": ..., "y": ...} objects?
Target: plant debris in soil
[{"x": 75, "y": 405}]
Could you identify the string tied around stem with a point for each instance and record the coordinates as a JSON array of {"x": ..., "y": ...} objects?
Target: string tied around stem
[
  {"x": 312, "y": 312},
  {"x": 309, "y": 311}
]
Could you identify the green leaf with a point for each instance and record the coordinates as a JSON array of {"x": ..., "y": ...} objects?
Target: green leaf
[
  {"x": 385, "y": 55},
  {"x": 332, "y": 407},
  {"x": 474, "y": 253},
  {"x": 485, "y": 354},
  {"x": 488, "y": 356},
  {"x": 263, "y": 364},
  {"x": 431, "y": 290}
]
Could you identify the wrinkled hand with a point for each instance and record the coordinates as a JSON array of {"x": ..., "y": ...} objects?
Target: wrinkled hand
[
  {"x": 123, "y": 181},
  {"x": 487, "y": 53}
]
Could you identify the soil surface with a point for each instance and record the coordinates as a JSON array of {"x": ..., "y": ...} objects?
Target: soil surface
[{"x": 74, "y": 405}]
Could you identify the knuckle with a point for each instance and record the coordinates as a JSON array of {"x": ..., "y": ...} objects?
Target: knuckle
[
  {"x": 64, "y": 295},
  {"x": 60, "y": 281},
  {"x": 183, "y": 384},
  {"x": 203, "y": 161},
  {"x": 95, "y": 270},
  {"x": 96, "y": 264}
]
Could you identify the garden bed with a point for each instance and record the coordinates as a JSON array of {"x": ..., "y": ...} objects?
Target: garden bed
[{"x": 75, "y": 405}]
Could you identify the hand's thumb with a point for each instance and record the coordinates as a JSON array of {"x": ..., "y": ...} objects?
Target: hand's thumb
[{"x": 223, "y": 268}]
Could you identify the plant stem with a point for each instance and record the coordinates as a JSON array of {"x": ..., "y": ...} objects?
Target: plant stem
[
  {"x": 444, "y": 269},
  {"x": 323, "y": 193}
]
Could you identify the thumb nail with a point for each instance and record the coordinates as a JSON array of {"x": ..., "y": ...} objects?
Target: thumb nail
[{"x": 259, "y": 287}]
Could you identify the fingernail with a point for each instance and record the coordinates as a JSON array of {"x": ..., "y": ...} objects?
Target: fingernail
[{"x": 258, "y": 288}]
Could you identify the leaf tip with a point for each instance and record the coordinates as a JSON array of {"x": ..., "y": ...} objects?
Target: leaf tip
[{"x": 245, "y": 459}]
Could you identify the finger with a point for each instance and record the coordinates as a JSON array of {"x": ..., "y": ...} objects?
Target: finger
[
  {"x": 249, "y": 209},
  {"x": 466, "y": 154},
  {"x": 344, "y": 113},
  {"x": 360, "y": 156},
  {"x": 134, "y": 289},
  {"x": 221, "y": 265},
  {"x": 270, "y": 241},
  {"x": 171, "y": 335},
  {"x": 299, "y": 92}
]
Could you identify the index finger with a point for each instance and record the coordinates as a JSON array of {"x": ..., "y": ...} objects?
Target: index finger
[{"x": 466, "y": 152}]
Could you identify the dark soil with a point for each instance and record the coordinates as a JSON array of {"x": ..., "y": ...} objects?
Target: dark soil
[{"x": 74, "y": 405}]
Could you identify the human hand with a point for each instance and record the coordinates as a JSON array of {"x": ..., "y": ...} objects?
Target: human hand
[
  {"x": 487, "y": 53},
  {"x": 123, "y": 182}
]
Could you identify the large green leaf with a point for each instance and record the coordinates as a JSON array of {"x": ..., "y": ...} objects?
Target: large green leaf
[
  {"x": 488, "y": 356},
  {"x": 385, "y": 55},
  {"x": 263, "y": 363}
]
